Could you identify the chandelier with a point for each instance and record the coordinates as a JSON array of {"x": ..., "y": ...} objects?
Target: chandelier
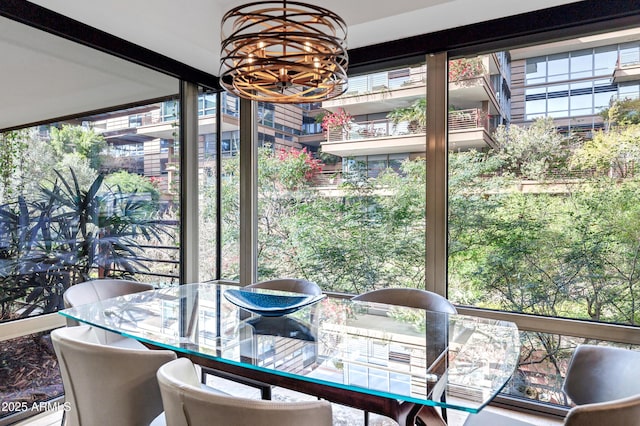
[{"x": 284, "y": 52}]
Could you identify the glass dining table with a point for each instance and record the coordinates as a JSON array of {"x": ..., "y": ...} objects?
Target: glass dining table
[{"x": 390, "y": 360}]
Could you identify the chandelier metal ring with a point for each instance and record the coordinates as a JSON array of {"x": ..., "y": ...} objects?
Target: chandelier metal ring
[{"x": 285, "y": 52}]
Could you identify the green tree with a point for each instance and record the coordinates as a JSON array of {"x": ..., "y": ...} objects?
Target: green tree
[
  {"x": 13, "y": 145},
  {"x": 73, "y": 163},
  {"x": 532, "y": 152},
  {"x": 615, "y": 152},
  {"x": 369, "y": 234},
  {"x": 622, "y": 112},
  {"x": 76, "y": 139},
  {"x": 36, "y": 165},
  {"x": 130, "y": 183},
  {"x": 571, "y": 251}
]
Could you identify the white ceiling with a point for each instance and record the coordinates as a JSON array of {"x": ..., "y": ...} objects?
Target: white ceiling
[
  {"x": 189, "y": 31},
  {"x": 44, "y": 77}
]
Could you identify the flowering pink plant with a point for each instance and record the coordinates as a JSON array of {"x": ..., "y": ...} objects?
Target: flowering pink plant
[
  {"x": 155, "y": 181},
  {"x": 461, "y": 69},
  {"x": 296, "y": 164},
  {"x": 337, "y": 120}
]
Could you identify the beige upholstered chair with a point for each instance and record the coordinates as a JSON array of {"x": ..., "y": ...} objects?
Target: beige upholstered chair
[
  {"x": 602, "y": 374},
  {"x": 187, "y": 404},
  {"x": 623, "y": 411},
  {"x": 293, "y": 285},
  {"x": 411, "y": 298},
  {"x": 603, "y": 382},
  {"x": 107, "y": 385},
  {"x": 100, "y": 289}
]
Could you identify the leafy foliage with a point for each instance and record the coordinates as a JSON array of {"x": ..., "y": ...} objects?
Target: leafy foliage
[
  {"x": 615, "y": 152},
  {"x": 75, "y": 139},
  {"x": 567, "y": 248},
  {"x": 355, "y": 240},
  {"x": 12, "y": 147},
  {"x": 564, "y": 247},
  {"x": 338, "y": 120},
  {"x": 465, "y": 68},
  {"x": 57, "y": 240},
  {"x": 622, "y": 112},
  {"x": 532, "y": 152},
  {"x": 135, "y": 186},
  {"x": 415, "y": 114}
]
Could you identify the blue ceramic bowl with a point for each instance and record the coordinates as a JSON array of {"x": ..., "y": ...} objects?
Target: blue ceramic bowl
[{"x": 268, "y": 304}]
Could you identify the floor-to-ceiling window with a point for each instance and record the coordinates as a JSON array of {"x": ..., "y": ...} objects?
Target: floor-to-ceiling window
[
  {"x": 84, "y": 196},
  {"x": 219, "y": 205},
  {"x": 343, "y": 205},
  {"x": 543, "y": 203}
]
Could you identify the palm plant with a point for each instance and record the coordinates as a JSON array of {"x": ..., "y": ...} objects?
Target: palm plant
[
  {"x": 415, "y": 114},
  {"x": 56, "y": 241}
]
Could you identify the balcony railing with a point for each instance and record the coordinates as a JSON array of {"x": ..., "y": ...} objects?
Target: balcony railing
[
  {"x": 465, "y": 119},
  {"x": 628, "y": 59},
  {"x": 627, "y": 67},
  {"x": 331, "y": 178},
  {"x": 374, "y": 129},
  {"x": 391, "y": 80},
  {"x": 129, "y": 122}
]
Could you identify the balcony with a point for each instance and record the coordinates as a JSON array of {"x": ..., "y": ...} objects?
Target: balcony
[
  {"x": 472, "y": 91},
  {"x": 381, "y": 92},
  {"x": 627, "y": 68},
  {"x": 387, "y": 91},
  {"x": 468, "y": 128},
  {"x": 375, "y": 137}
]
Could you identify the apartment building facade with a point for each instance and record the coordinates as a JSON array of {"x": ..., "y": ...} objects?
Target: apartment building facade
[{"x": 574, "y": 80}]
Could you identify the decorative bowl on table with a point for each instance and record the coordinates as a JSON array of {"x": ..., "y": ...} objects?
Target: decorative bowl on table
[
  {"x": 282, "y": 326},
  {"x": 268, "y": 304}
]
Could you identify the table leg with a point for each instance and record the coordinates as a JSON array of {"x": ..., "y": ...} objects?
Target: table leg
[
  {"x": 430, "y": 416},
  {"x": 406, "y": 414},
  {"x": 411, "y": 414}
]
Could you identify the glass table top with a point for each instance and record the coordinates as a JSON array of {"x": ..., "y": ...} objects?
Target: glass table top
[{"x": 394, "y": 352}]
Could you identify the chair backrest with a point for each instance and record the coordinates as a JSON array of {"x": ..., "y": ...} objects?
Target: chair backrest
[
  {"x": 107, "y": 385},
  {"x": 601, "y": 374},
  {"x": 187, "y": 404},
  {"x": 409, "y": 297},
  {"x": 100, "y": 289},
  {"x": 293, "y": 285},
  {"x": 625, "y": 411}
]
